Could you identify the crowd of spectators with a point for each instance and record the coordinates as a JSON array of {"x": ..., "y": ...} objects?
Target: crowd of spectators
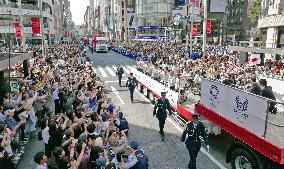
[
  {"x": 63, "y": 104},
  {"x": 170, "y": 64}
]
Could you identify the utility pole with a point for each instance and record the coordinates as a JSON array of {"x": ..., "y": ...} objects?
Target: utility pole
[
  {"x": 42, "y": 29},
  {"x": 191, "y": 28},
  {"x": 186, "y": 28},
  {"x": 22, "y": 26},
  {"x": 113, "y": 19},
  {"x": 204, "y": 26},
  {"x": 226, "y": 22},
  {"x": 125, "y": 20}
]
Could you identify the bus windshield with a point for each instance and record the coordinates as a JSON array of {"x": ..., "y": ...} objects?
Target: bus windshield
[{"x": 101, "y": 42}]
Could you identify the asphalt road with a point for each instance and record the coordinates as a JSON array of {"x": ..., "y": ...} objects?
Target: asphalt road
[{"x": 170, "y": 154}]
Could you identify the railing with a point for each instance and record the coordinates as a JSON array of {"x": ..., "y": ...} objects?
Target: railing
[{"x": 274, "y": 123}]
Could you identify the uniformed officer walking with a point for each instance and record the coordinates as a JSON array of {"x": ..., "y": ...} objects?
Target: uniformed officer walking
[
  {"x": 194, "y": 131},
  {"x": 160, "y": 111},
  {"x": 119, "y": 73},
  {"x": 131, "y": 83}
]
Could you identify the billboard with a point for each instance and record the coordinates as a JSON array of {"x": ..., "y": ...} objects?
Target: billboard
[
  {"x": 130, "y": 19},
  {"x": 218, "y": 6}
]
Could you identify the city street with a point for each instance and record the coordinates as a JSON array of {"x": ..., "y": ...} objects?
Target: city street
[{"x": 170, "y": 154}]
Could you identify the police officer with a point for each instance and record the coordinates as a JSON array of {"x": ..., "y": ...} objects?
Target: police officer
[
  {"x": 194, "y": 130},
  {"x": 119, "y": 73},
  {"x": 131, "y": 83},
  {"x": 160, "y": 112}
]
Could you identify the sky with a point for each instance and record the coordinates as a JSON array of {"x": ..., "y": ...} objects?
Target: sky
[{"x": 78, "y": 8}]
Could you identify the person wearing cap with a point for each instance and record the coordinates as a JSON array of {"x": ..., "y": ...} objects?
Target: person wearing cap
[
  {"x": 160, "y": 112},
  {"x": 141, "y": 156},
  {"x": 194, "y": 131},
  {"x": 131, "y": 83},
  {"x": 122, "y": 123},
  {"x": 119, "y": 73}
]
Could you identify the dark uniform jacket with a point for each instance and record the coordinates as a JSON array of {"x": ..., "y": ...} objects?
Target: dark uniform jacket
[
  {"x": 268, "y": 93},
  {"x": 131, "y": 83},
  {"x": 193, "y": 141},
  {"x": 161, "y": 107},
  {"x": 255, "y": 89},
  {"x": 119, "y": 71}
]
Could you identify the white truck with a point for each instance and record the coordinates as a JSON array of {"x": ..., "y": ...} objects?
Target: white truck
[{"x": 100, "y": 44}]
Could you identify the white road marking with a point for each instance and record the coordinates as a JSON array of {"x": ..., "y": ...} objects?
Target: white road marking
[
  {"x": 102, "y": 71},
  {"x": 125, "y": 69},
  {"x": 115, "y": 81},
  {"x": 117, "y": 94},
  {"x": 110, "y": 71},
  {"x": 130, "y": 67},
  {"x": 179, "y": 129}
]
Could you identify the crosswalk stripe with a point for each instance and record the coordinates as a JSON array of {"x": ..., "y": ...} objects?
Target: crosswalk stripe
[
  {"x": 125, "y": 69},
  {"x": 102, "y": 71},
  {"x": 110, "y": 71}
]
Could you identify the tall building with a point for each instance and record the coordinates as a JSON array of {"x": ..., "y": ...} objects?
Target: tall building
[
  {"x": 88, "y": 23},
  {"x": 238, "y": 21},
  {"x": 68, "y": 24},
  {"x": 154, "y": 12},
  {"x": 9, "y": 13},
  {"x": 271, "y": 23},
  {"x": 58, "y": 21}
]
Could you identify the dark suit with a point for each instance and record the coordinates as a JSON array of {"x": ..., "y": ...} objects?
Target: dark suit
[
  {"x": 160, "y": 112},
  {"x": 193, "y": 142},
  {"x": 119, "y": 73},
  {"x": 131, "y": 84},
  {"x": 268, "y": 93}
]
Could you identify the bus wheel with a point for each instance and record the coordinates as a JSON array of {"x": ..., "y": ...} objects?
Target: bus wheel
[{"x": 241, "y": 159}]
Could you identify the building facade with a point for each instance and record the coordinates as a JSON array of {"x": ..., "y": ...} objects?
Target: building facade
[
  {"x": 271, "y": 23},
  {"x": 238, "y": 22},
  {"x": 10, "y": 13},
  {"x": 154, "y": 12}
]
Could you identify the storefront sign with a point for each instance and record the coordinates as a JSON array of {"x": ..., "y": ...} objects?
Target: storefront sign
[
  {"x": 18, "y": 30},
  {"x": 35, "y": 26},
  {"x": 14, "y": 85}
]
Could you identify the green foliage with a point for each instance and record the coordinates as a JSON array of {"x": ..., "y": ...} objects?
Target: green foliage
[{"x": 255, "y": 9}]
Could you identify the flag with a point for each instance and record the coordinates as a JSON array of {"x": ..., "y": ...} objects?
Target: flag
[{"x": 254, "y": 59}]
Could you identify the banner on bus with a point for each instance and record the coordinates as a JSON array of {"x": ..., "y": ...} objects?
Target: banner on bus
[
  {"x": 244, "y": 109},
  {"x": 156, "y": 87}
]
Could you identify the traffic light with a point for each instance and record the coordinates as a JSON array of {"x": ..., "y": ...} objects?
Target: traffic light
[
  {"x": 194, "y": 30},
  {"x": 208, "y": 26}
]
